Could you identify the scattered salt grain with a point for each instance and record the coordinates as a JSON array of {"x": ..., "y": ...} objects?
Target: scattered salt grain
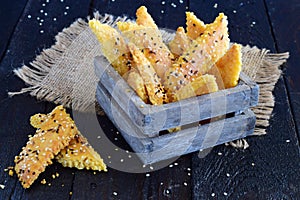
[
  {"x": 65, "y": 13},
  {"x": 227, "y": 174},
  {"x": 171, "y": 166},
  {"x": 2, "y": 186},
  {"x": 176, "y": 164},
  {"x": 29, "y": 16},
  {"x": 234, "y": 11},
  {"x": 189, "y": 169},
  {"x": 67, "y": 7},
  {"x": 180, "y": 1},
  {"x": 219, "y": 153},
  {"x": 45, "y": 14},
  {"x": 41, "y": 11},
  {"x": 287, "y": 141},
  {"x": 252, "y": 164},
  {"x": 216, "y": 5},
  {"x": 213, "y": 194},
  {"x": 162, "y": 11},
  {"x": 163, "y": 2},
  {"x": 122, "y": 160},
  {"x": 43, "y": 4},
  {"x": 41, "y": 31},
  {"x": 225, "y": 193},
  {"x": 185, "y": 183},
  {"x": 147, "y": 175},
  {"x": 115, "y": 193}
]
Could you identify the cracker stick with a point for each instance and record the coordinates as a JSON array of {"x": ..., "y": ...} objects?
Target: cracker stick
[
  {"x": 230, "y": 66},
  {"x": 180, "y": 43},
  {"x": 53, "y": 135},
  {"x": 135, "y": 81},
  {"x": 201, "y": 85},
  {"x": 200, "y": 56},
  {"x": 194, "y": 26},
  {"x": 152, "y": 82},
  {"x": 81, "y": 155},
  {"x": 150, "y": 40},
  {"x": 144, "y": 18},
  {"x": 113, "y": 46}
]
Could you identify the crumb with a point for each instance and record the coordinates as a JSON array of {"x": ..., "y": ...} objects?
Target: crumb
[
  {"x": 43, "y": 182},
  {"x": 11, "y": 172},
  {"x": 49, "y": 184},
  {"x": 53, "y": 176},
  {"x": 57, "y": 174},
  {"x": 70, "y": 193}
]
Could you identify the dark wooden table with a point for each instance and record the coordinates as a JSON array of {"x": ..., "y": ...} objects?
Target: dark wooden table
[{"x": 269, "y": 169}]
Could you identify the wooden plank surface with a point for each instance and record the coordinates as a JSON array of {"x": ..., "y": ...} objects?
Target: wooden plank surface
[
  {"x": 286, "y": 31},
  {"x": 269, "y": 169}
]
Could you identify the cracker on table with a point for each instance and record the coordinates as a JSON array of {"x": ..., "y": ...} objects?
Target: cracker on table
[
  {"x": 152, "y": 82},
  {"x": 200, "y": 56},
  {"x": 53, "y": 135},
  {"x": 81, "y": 155},
  {"x": 180, "y": 43},
  {"x": 201, "y": 85},
  {"x": 148, "y": 39},
  {"x": 194, "y": 26},
  {"x": 113, "y": 46}
]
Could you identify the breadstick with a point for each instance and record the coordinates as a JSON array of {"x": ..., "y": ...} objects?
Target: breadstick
[
  {"x": 152, "y": 82},
  {"x": 113, "y": 46}
]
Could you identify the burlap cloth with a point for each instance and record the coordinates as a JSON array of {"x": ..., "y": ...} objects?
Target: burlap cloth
[{"x": 64, "y": 73}]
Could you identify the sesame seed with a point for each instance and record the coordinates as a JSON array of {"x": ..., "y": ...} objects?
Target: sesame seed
[
  {"x": 147, "y": 175},
  {"x": 227, "y": 174},
  {"x": 252, "y": 164},
  {"x": 225, "y": 193},
  {"x": 171, "y": 166},
  {"x": 185, "y": 183},
  {"x": 287, "y": 141}
]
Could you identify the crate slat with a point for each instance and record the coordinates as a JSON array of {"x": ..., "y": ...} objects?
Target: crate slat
[{"x": 152, "y": 119}]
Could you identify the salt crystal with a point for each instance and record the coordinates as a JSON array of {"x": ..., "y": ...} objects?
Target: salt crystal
[
  {"x": 227, "y": 174},
  {"x": 65, "y": 13},
  {"x": 43, "y": 4},
  {"x": 45, "y": 14},
  {"x": 29, "y": 16},
  {"x": 147, "y": 175},
  {"x": 287, "y": 141},
  {"x": 163, "y": 2},
  {"x": 2, "y": 186},
  {"x": 170, "y": 166},
  {"x": 115, "y": 193},
  {"x": 41, "y": 31},
  {"x": 219, "y": 154},
  {"x": 216, "y": 5},
  {"x": 234, "y": 11},
  {"x": 185, "y": 183},
  {"x": 67, "y": 7},
  {"x": 41, "y": 11},
  {"x": 162, "y": 11},
  {"x": 122, "y": 160},
  {"x": 225, "y": 193},
  {"x": 213, "y": 194}
]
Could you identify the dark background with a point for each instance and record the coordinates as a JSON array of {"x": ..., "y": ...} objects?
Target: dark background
[{"x": 269, "y": 169}]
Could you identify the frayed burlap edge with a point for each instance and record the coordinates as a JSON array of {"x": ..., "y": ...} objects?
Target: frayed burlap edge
[{"x": 258, "y": 64}]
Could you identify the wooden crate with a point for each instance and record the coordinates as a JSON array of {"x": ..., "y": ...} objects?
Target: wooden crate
[{"x": 144, "y": 126}]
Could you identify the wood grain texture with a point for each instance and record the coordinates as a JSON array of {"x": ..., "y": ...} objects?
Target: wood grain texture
[
  {"x": 275, "y": 173},
  {"x": 26, "y": 41},
  {"x": 9, "y": 15},
  {"x": 286, "y": 31}
]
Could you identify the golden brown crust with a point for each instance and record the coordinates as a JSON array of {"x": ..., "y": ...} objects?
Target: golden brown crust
[
  {"x": 53, "y": 135},
  {"x": 180, "y": 43},
  {"x": 81, "y": 155},
  {"x": 200, "y": 56},
  {"x": 194, "y": 26},
  {"x": 152, "y": 82},
  {"x": 230, "y": 66},
  {"x": 201, "y": 85},
  {"x": 150, "y": 41},
  {"x": 113, "y": 46},
  {"x": 144, "y": 18}
]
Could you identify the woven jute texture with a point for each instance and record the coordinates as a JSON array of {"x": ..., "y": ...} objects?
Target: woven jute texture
[{"x": 64, "y": 73}]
